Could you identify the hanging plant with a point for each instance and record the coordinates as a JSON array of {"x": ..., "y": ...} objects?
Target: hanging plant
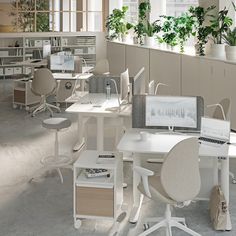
[{"x": 202, "y": 32}]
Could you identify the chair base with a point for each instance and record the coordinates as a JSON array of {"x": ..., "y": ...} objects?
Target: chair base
[
  {"x": 45, "y": 106},
  {"x": 168, "y": 222}
]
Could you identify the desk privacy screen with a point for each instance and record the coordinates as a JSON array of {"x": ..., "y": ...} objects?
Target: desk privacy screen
[{"x": 139, "y": 114}]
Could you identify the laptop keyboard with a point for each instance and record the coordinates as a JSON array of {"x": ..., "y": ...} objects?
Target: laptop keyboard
[{"x": 210, "y": 140}]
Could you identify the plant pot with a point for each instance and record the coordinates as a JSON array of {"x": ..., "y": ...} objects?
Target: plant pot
[
  {"x": 230, "y": 52},
  {"x": 149, "y": 41},
  {"x": 218, "y": 51},
  {"x": 125, "y": 38}
]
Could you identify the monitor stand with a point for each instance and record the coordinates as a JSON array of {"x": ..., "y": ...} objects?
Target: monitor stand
[{"x": 171, "y": 131}]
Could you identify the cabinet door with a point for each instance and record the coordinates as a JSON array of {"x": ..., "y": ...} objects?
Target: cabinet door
[
  {"x": 230, "y": 87},
  {"x": 136, "y": 58},
  {"x": 212, "y": 85},
  {"x": 190, "y": 84},
  {"x": 116, "y": 57},
  {"x": 165, "y": 68}
]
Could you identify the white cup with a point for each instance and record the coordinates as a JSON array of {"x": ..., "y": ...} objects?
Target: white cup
[{"x": 144, "y": 135}]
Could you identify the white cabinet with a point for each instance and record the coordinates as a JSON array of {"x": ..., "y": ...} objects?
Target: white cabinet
[
  {"x": 165, "y": 67},
  {"x": 97, "y": 197},
  {"x": 22, "y": 94},
  {"x": 136, "y": 58},
  {"x": 116, "y": 57}
]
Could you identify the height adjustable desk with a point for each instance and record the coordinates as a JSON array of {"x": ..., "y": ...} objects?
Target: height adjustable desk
[
  {"x": 96, "y": 105},
  {"x": 162, "y": 143}
]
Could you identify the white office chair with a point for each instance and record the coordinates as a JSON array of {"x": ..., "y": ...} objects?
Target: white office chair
[
  {"x": 102, "y": 67},
  {"x": 43, "y": 85},
  {"x": 179, "y": 183},
  {"x": 222, "y": 111}
]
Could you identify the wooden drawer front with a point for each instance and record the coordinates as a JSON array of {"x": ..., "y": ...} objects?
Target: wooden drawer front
[
  {"x": 95, "y": 201},
  {"x": 19, "y": 96}
]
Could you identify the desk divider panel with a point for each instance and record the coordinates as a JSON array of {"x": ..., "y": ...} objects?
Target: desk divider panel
[
  {"x": 139, "y": 111},
  {"x": 97, "y": 84}
]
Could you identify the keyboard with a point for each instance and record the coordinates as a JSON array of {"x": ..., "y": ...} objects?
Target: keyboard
[{"x": 210, "y": 140}]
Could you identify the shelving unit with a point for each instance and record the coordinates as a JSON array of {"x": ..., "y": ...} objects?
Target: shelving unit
[
  {"x": 15, "y": 49},
  {"x": 97, "y": 197}
]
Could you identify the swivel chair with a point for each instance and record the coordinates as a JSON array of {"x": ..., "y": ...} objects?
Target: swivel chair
[
  {"x": 179, "y": 183},
  {"x": 43, "y": 85}
]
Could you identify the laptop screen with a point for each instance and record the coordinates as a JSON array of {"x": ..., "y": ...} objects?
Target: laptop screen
[{"x": 216, "y": 129}]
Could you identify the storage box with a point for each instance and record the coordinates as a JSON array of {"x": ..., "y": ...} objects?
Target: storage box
[
  {"x": 4, "y": 53},
  {"x": 91, "y": 50},
  {"x": 46, "y": 42},
  {"x": 1, "y": 71},
  {"x": 17, "y": 70},
  {"x": 64, "y": 42},
  {"x": 19, "y": 96},
  {"x": 9, "y": 71},
  {"x": 95, "y": 201},
  {"x": 27, "y": 70},
  {"x": 38, "y": 43},
  {"x": 78, "y": 51}
]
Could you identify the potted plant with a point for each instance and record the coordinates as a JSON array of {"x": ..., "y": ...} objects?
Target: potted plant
[
  {"x": 230, "y": 40},
  {"x": 149, "y": 30},
  {"x": 116, "y": 24},
  {"x": 219, "y": 26},
  {"x": 184, "y": 29},
  {"x": 202, "y": 32},
  {"x": 169, "y": 35}
]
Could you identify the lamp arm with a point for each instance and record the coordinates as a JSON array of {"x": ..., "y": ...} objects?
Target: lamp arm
[
  {"x": 158, "y": 87},
  {"x": 116, "y": 92},
  {"x": 221, "y": 108}
]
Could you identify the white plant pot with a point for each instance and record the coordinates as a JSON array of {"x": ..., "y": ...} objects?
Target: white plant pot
[
  {"x": 218, "y": 51},
  {"x": 230, "y": 52},
  {"x": 149, "y": 41},
  {"x": 125, "y": 38}
]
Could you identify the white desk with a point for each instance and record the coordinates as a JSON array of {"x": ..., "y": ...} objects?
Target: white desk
[
  {"x": 162, "y": 143},
  {"x": 96, "y": 105}
]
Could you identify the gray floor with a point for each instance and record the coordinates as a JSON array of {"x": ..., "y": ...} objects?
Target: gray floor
[{"x": 45, "y": 208}]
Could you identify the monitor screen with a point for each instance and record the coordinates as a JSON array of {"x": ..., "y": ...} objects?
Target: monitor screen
[
  {"x": 171, "y": 111},
  {"x": 46, "y": 50},
  {"x": 62, "y": 61},
  {"x": 139, "y": 83},
  {"x": 124, "y": 86}
]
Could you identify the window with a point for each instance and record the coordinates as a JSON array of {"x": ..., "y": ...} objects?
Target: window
[
  {"x": 177, "y": 7},
  {"x": 132, "y": 14},
  {"x": 55, "y": 15}
]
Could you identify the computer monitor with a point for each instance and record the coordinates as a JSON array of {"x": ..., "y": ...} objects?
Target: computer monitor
[
  {"x": 62, "y": 61},
  {"x": 124, "y": 86},
  {"x": 46, "y": 50},
  {"x": 139, "y": 83},
  {"x": 171, "y": 111}
]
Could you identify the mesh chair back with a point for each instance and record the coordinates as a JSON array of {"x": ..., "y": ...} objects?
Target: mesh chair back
[
  {"x": 43, "y": 82},
  {"x": 180, "y": 176}
]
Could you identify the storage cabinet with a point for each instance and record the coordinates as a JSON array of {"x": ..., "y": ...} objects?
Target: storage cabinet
[
  {"x": 97, "y": 197},
  {"x": 22, "y": 94}
]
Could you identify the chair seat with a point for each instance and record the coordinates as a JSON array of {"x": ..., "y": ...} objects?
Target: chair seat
[
  {"x": 156, "y": 189},
  {"x": 56, "y": 123}
]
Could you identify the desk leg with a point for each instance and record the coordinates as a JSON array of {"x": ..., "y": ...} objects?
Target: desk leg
[
  {"x": 137, "y": 196},
  {"x": 80, "y": 142},
  {"x": 100, "y": 133},
  {"x": 225, "y": 186}
]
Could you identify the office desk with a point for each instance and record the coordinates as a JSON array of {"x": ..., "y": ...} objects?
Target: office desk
[
  {"x": 67, "y": 84},
  {"x": 162, "y": 143},
  {"x": 96, "y": 105}
]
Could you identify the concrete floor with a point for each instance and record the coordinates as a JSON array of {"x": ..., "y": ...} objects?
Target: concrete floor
[{"x": 45, "y": 207}]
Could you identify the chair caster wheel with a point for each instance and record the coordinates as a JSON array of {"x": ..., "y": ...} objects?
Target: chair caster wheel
[
  {"x": 146, "y": 226},
  {"x": 233, "y": 181}
]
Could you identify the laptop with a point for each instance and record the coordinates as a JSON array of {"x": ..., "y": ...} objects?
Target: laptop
[{"x": 214, "y": 131}]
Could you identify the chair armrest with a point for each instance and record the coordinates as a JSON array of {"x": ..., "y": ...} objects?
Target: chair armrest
[{"x": 144, "y": 173}]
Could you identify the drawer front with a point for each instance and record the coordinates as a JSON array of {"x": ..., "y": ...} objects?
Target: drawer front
[
  {"x": 19, "y": 96},
  {"x": 17, "y": 70},
  {"x": 9, "y": 71},
  {"x": 95, "y": 201}
]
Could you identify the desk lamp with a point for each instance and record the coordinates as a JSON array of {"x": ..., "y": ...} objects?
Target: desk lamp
[
  {"x": 221, "y": 108},
  {"x": 159, "y": 84}
]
